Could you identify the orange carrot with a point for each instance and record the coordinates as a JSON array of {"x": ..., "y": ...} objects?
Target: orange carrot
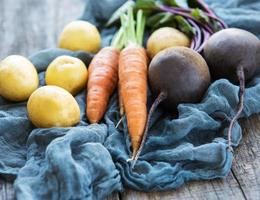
[
  {"x": 133, "y": 82},
  {"x": 103, "y": 78},
  {"x": 133, "y": 77}
]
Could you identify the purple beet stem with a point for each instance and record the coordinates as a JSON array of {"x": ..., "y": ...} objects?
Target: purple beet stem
[
  {"x": 193, "y": 43},
  {"x": 206, "y": 36},
  {"x": 205, "y": 7},
  {"x": 171, "y": 10},
  {"x": 210, "y": 15},
  {"x": 197, "y": 37},
  {"x": 202, "y": 31}
]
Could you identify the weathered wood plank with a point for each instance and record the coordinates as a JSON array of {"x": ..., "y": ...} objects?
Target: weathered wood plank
[
  {"x": 246, "y": 165},
  {"x": 114, "y": 196},
  {"x": 27, "y": 26},
  {"x": 6, "y": 190},
  {"x": 2, "y": 193},
  {"x": 9, "y": 191}
]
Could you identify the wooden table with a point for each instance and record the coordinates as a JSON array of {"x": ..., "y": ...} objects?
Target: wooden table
[{"x": 27, "y": 26}]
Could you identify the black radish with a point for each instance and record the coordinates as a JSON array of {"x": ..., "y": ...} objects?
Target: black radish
[
  {"x": 233, "y": 54},
  {"x": 176, "y": 75}
]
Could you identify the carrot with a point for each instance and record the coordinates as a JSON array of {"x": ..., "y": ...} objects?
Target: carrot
[
  {"x": 103, "y": 79},
  {"x": 133, "y": 78}
]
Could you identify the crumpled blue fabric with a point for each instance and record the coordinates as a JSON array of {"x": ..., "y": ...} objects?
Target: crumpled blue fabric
[
  {"x": 89, "y": 161},
  {"x": 243, "y": 14}
]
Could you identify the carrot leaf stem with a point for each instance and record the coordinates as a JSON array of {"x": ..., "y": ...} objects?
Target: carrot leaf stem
[
  {"x": 131, "y": 26},
  {"x": 140, "y": 25},
  {"x": 118, "y": 40},
  {"x": 122, "y": 9},
  {"x": 134, "y": 27}
]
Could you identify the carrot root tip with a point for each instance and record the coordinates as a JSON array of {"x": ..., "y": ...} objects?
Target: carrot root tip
[{"x": 129, "y": 160}]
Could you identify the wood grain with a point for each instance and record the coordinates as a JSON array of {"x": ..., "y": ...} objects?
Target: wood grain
[
  {"x": 6, "y": 190},
  {"x": 246, "y": 165},
  {"x": 27, "y": 26}
]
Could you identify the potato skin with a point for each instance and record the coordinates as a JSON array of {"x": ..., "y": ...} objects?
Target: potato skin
[
  {"x": 67, "y": 72},
  {"x": 180, "y": 72},
  {"x": 18, "y": 78},
  {"x": 229, "y": 48},
  {"x": 80, "y": 35},
  {"x": 52, "y": 106},
  {"x": 164, "y": 38}
]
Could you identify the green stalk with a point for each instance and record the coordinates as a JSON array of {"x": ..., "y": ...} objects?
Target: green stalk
[
  {"x": 118, "y": 39},
  {"x": 134, "y": 30},
  {"x": 116, "y": 15},
  {"x": 131, "y": 22},
  {"x": 140, "y": 25},
  {"x": 124, "y": 24}
]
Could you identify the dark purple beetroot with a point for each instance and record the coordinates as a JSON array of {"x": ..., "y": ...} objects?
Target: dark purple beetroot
[
  {"x": 233, "y": 54},
  {"x": 229, "y": 49},
  {"x": 181, "y": 73},
  {"x": 176, "y": 75}
]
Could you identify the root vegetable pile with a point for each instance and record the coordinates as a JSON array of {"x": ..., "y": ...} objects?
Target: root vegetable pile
[
  {"x": 177, "y": 72},
  {"x": 180, "y": 74}
]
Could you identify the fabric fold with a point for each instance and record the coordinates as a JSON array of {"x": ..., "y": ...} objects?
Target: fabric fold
[{"x": 90, "y": 161}]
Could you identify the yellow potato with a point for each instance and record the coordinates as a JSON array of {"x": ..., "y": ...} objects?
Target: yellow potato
[
  {"x": 166, "y": 37},
  {"x": 18, "y": 78},
  {"x": 80, "y": 35},
  {"x": 52, "y": 106},
  {"x": 67, "y": 72}
]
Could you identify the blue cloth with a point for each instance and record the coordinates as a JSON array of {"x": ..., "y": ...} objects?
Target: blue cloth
[
  {"x": 243, "y": 14},
  {"x": 89, "y": 161}
]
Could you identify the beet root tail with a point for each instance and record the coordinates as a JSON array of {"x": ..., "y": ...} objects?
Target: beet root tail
[
  {"x": 162, "y": 96},
  {"x": 241, "y": 78}
]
